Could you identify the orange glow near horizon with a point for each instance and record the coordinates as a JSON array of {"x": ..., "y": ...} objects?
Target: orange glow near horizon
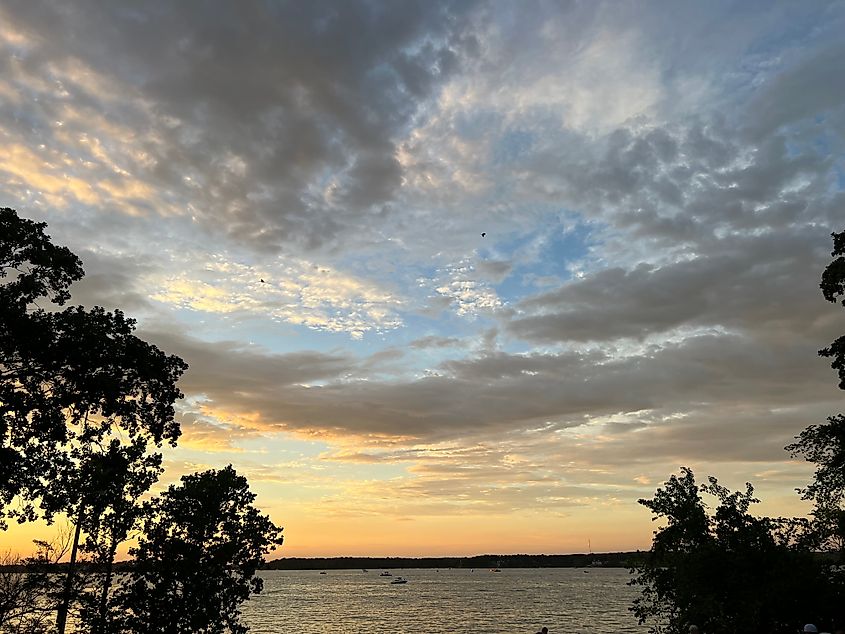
[
  {"x": 382, "y": 506},
  {"x": 417, "y": 537},
  {"x": 316, "y": 531}
]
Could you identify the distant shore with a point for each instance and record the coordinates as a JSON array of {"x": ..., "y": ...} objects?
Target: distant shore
[
  {"x": 579, "y": 560},
  {"x": 630, "y": 559}
]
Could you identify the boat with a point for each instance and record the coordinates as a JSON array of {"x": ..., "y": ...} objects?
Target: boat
[
  {"x": 398, "y": 580},
  {"x": 322, "y": 573},
  {"x": 385, "y": 574}
]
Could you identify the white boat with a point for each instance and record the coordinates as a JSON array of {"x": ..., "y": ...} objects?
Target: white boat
[
  {"x": 398, "y": 580},
  {"x": 385, "y": 574}
]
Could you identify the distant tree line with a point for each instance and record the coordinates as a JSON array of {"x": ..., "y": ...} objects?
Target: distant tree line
[
  {"x": 85, "y": 406},
  {"x": 478, "y": 562},
  {"x": 724, "y": 569}
]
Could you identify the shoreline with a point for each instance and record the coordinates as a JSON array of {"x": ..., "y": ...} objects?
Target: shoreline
[{"x": 577, "y": 560}]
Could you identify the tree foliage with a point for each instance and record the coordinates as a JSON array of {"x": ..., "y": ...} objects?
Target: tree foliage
[
  {"x": 70, "y": 379},
  {"x": 32, "y": 265},
  {"x": 724, "y": 570},
  {"x": 833, "y": 288},
  {"x": 84, "y": 404},
  {"x": 824, "y": 445},
  {"x": 31, "y": 268},
  {"x": 82, "y": 399},
  {"x": 200, "y": 546},
  {"x": 730, "y": 571}
]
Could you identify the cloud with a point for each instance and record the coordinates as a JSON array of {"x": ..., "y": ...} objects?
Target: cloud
[
  {"x": 494, "y": 270},
  {"x": 205, "y": 434},
  {"x": 465, "y": 290},
  {"x": 276, "y": 123},
  {"x": 334, "y": 397},
  {"x": 291, "y": 290},
  {"x": 746, "y": 283},
  {"x": 810, "y": 87},
  {"x": 432, "y": 341},
  {"x": 112, "y": 281}
]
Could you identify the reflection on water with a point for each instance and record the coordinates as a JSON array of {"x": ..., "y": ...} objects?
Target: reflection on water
[{"x": 514, "y": 601}]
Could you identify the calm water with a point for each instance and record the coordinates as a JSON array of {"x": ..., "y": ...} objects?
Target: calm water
[{"x": 513, "y": 601}]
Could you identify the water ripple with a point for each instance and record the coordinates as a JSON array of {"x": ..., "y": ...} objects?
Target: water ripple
[{"x": 513, "y": 601}]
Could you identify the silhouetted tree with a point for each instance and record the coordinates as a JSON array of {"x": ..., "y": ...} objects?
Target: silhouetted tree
[
  {"x": 114, "y": 386},
  {"x": 833, "y": 288},
  {"x": 83, "y": 404},
  {"x": 31, "y": 269},
  {"x": 79, "y": 392},
  {"x": 731, "y": 571},
  {"x": 824, "y": 445},
  {"x": 726, "y": 571},
  {"x": 200, "y": 545},
  {"x": 118, "y": 477}
]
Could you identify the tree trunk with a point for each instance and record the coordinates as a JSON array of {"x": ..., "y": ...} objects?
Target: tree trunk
[
  {"x": 64, "y": 606},
  {"x": 102, "y": 626}
]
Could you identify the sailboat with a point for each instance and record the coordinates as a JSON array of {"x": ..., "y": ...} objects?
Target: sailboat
[{"x": 594, "y": 563}]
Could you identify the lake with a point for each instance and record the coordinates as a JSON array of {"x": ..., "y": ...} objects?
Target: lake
[{"x": 458, "y": 600}]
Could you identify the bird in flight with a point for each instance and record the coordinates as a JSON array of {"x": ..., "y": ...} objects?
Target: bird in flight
[{"x": 483, "y": 234}]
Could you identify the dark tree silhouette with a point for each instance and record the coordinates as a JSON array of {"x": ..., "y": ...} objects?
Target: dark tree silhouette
[
  {"x": 200, "y": 545},
  {"x": 824, "y": 444},
  {"x": 80, "y": 395},
  {"x": 31, "y": 269},
  {"x": 731, "y": 571},
  {"x": 111, "y": 387},
  {"x": 833, "y": 288},
  {"x": 33, "y": 266},
  {"x": 117, "y": 477},
  {"x": 726, "y": 571}
]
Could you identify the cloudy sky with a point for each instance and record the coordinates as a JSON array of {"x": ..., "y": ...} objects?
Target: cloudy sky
[{"x": 657, "y": 182}]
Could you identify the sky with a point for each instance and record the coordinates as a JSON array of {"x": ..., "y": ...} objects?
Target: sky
[{"x": 451, "y": 277}]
